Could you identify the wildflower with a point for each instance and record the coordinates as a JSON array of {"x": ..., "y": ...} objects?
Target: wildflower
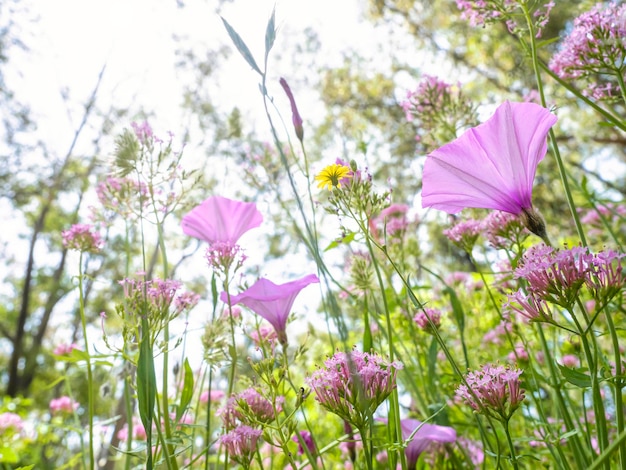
[
  {"x": 531, "y": 307},
  {"x": 503, "y": 229},
  {"x": 569, "y": 360},
  {"x": 83, "y": 238},
  {"x": 439, "y": 111},
  {"x": 221, "y": 256},
  {"x": 606, "y": 276},
  {"x": 465, "y": 233},
  {"x": 332, "y": 175},
  {"x": 63, "y": 404},
  {"x": 265, "y": 334},
  {"x": 221, "y": 220},
  {"x": 428, "y": 319},
  {"x": 307, "y": 438},
  {"x": 64, "y": 349},
  {"x": 212, "y": 396},
  {"x": 595, "y": 50},
  {"x": 248, "y": 407},
  {"x": 142, "y": 131},
  {"x": 393, "y": 219},
  {"x": 555, "y": 276},
  {"x": 493, "y": 389},
  {"x": 139, "y": 431},
  {"x": 271, "y": 301},
  {"x": 421, "y": 435},
  {"x": 241, "y": 444},
  {"x": 491, "y": 166},
  {"x": 295, "y": 115},
  {"x": 353, "y": 385},
  {"x": 10, "y": 422}
]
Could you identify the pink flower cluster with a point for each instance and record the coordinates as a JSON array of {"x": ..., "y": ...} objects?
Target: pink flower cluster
[
  {"x": 10, "y": 422},
  {"x": 556, "y": 276},
  {"x": 392, "y": 220},
  {"x": 595, "y": 50},
  {"x": 439, "y": 109},
  {"x": 249, "y": 408},
  {"x": 482, "y": 12},
  {"x": 241, "y": 443},
  {"x": 502, "y": 230},
  {"x": 138, "y": 430},
  {"x": 353, "y": 385},
  {"x": 428, "y": 319},
  {"x": 159, "y": 293},
  {"x": 493, "y": 389},
  {"x": 83, "y": 238},
  {"x": 63, "y": 405}
]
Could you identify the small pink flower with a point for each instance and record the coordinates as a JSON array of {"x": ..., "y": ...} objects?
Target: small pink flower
[
  {"x": 214, "y": 395},
  {"x": 569, "y": 360},
  {"x": 428, "y": 319},
  {"x": 63, "y": 405},
  {"x": 353, "y": 385},
  {"x": 64, "y": 349},
  {"x": 241, "y": 443},
  {"x": 10, "y": 422},
  {"x": 83, "y": 238},
  {"x": 493, "y": 389}
]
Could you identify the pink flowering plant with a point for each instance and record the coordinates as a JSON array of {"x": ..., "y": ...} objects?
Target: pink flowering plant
[{"x": 310, "y": 303}]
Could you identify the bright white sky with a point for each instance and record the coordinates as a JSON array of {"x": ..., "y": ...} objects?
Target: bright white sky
[{"x": 70, "y": 40}]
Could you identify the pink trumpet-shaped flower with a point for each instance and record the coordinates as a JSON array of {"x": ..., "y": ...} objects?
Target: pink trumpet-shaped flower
[
  {"x": 425, "y": 434},
  {"x": 491, "y": 166},
  {"x": 221, "y": 220},
  {"x": 272, "y": 302}
]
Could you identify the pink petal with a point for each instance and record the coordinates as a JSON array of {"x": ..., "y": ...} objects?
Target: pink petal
[
  {"x": 491, "y": 166},
  {"x": 222, "y": 220}
]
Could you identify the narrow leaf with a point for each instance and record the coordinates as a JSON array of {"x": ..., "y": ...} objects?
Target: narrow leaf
[
  {"x": 270, "y": 33},
  {"x": 457, "y": 308},
  {"x": 187, "y": 393},
  {"x": 146, "y": 387},
  {"x": 241, "y": 46}
]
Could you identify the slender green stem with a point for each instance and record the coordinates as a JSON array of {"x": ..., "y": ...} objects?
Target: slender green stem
[
  {"x": 618, "y": 384},
  {"x": 90, "y": 384},
  {"x": 553, "y": 142},
  {"x": 510, "y": 443}
]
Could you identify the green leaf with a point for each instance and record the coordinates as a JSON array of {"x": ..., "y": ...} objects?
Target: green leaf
[
  {"x": 187, "y": 393},
  {"x": 8, "y": 455},
  {"x": 146, "y": 386},
  {"x": 576, "y": 376},
  {"x": 432, "y": 360},
  {"x": 241, "y": 46},
  {"x": 270, "y": 33},
  {"x": 457, "y": 308},
  {"x": 345, "y": 240}
]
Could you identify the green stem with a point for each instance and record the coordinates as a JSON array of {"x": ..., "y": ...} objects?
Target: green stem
[
  {"x": 510, "y": 442},
  {"x": 553, "y": 143},
  {"x": 619, "y": 405},
  {"x": 90, "y": 395}
]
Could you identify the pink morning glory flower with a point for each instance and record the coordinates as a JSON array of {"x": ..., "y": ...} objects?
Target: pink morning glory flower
[
  {"x": 491, "y": 166},
  {"x": 425, "y": 434},
  {"x": 270, "y": 301},
  {"x": 221, "y": 220}
]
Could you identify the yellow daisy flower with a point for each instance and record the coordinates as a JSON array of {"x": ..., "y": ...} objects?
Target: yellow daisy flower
[{"x": 332, "y": 175}]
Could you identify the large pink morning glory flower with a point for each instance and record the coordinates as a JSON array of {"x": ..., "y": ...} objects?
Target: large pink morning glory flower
[
  {"x": 491, "y": 166},
  {"x": 272, "y": 302},
  {"x": 219, "y": 220}
]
